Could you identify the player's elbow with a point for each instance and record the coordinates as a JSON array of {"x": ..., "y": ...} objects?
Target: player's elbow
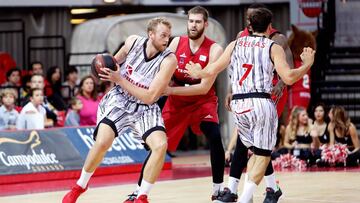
[
  {"x": 289, "y": 79},
  {"x": 150, "y": 98},
  {"x": 204, "y": 91},
  {"x": 211, "y": 72}
]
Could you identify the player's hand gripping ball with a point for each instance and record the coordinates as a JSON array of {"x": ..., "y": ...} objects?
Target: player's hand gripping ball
[{"x": 102, "y": 61}]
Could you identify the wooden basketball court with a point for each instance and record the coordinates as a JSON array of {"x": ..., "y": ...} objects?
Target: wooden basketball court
[{"x": 310, "y": 187}]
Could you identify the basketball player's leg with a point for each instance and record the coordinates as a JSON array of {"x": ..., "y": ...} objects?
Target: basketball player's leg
[
  {"x": 104, "y": 139},
  {"x": 175, "y": 127},
  {"x": 105, "y": 134},
  {"x": 238, "y": 164},
  {"x": 256, "y": 169},
  {"x": 158, "y": 144},
  {"x": 151, "y": 130},
  {"x": 261, "y": 138},
  {"x": 217, "y": 154}
]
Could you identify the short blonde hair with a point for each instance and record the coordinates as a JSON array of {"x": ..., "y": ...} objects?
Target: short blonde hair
[
  {"x": 152, "y": 24},
  {"x": 8, "y": 91}
]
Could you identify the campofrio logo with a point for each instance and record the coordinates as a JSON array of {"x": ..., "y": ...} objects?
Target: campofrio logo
[{"x": 32, "y": 156}]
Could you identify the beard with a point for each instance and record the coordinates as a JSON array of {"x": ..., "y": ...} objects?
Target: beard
[
  {"x": 159, "y": 47},
  {"x": 197, "y": 35}
]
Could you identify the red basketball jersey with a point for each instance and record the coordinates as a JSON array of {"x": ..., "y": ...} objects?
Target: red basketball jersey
[
  {"x": 184, "y": 55},
  {"x": 180, "y": 112}
]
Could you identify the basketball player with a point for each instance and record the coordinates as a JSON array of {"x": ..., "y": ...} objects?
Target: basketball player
[
  {"x": 193, "y": 102},
  {"x": 147, "y": 67},
  {"x": 279, "y": 96},
  {"x": 252, "y": 60}
]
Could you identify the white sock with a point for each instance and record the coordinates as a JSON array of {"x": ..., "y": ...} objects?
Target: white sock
[
  {"x": 137, "y": 189},
  {"x": 84, "y": 178},
  {"x": 248, "y": 191},
  {"x": 145, "y": 188},
  {"x": 271, "y": 182},
  {"x": 246, "y": 178},
  {"x": 217, "y": 187},
  {"x": 233, "y": 184}
]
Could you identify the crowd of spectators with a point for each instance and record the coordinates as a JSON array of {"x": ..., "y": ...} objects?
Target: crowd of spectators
[{"x": 36, "y": 99}]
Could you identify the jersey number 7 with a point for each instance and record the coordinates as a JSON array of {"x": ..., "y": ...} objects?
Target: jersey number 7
[{"x": 248, "y": 68}]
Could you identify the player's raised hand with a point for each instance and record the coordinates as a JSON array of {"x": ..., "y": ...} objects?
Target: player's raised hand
[
  {"x": 194, "y": 70},
  {"x": 307, "y": 56},
  {"x": 110, "y": 75}
]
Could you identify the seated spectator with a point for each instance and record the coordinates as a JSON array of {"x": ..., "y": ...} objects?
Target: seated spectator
[
  {"x": 320, "y": 127},
  {"x": 25, "y": 85},
  {"x": 299, "y": 135},
  {"x": 72, "y": 116},
  {"x": 37, "y": 81},
  {"x": 68, "y": 87},
  {"x": 37, "y": 67},
  {"x": 13, "y": 77},
  {"x": 8, "y": 114},
  {"x": 33, "y": 115},
  {"x": 53, "y": 89},
  {"x": 88, "y": 96},
  {"x": 343, "y": 131}
]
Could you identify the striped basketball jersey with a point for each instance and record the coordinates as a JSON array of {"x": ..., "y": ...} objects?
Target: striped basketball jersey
[
  {"x": 251, "y": 68},
  {"x": 139, "y": 70}
]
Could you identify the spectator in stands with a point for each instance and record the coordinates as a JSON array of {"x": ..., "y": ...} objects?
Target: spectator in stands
[
  {"x": 33, "y": 115},
  {"x": 53, "y": 88},
  {"x": 13, "y": 77},
  {"x": 72, "y": 116},
  {"x": 26, "y": 85},
  {"x": 299, "y": 135},
  {"x": 343, "y": 131},
  {"x": 37, "y": 81},
  {"x": 37, "y": 68},
  {"x": 89, "y": 98},
  {"x": 68, "y": 87},
  {"x": 8, "y": 114}
]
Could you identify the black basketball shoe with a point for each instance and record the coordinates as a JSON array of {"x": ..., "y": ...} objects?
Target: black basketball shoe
[
  {"x": 271, "y": 196},
  {"x": 226, "y": 196}
]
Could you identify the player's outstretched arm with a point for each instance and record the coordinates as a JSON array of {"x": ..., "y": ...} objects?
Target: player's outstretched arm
[
  {"x": 195, "y": 70},
  {"x": 157, "y": 86},
  {"x": 281, "y": 40},
  {"x": 290, "y": 76}
]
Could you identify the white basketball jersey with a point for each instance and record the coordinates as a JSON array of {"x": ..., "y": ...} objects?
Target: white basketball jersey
[
  {"x": 140, "y": 71},
  {"x": 251, "y": 68}
]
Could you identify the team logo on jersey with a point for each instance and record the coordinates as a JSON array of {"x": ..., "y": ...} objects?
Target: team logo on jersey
[
  {"x": 208, "y": 117},
  {"x": 182, "y": 58},
  {"x": 129, "y": 69},
  {"x": 202, "y": 58},
  {"x": 242, "y": 111}
]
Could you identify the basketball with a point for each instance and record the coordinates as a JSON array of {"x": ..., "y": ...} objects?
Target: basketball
[{"x": 102, "y": 61}]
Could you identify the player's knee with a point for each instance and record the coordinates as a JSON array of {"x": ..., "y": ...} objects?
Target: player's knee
[
  {"x": 160, "y": 147},
  {"x": 102, "y": 145}
]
